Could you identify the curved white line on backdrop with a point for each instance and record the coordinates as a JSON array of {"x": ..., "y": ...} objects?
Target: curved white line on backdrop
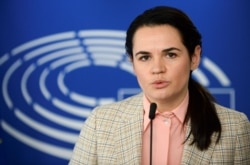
[
  {"x": 102, "y": 33},
  {"x": 63, "y": 121},
  {"x": 71, "y": 109},
  {"x": 6, "y": 78},
  {"x": 217, "y": 72},
  {"x": 90, "y": 101},
  {"x": 126, "y": 66},
  {"x": 41, "y": 128},
  {"x": 60, "y": 83},
  {"x": 103, "y": 101},
  {"x": 66, "y": 60},
  {"x": 111, "y": 42},
  {"x": 59, "y": 54},
  {"x": 201, "y": 77},
  {"x": 60, "y": 79},
  {"x": 50, "y": 149},
  {"x": 52, "y": 47},
  {"x": 85, "y": 100},
  {"x": 43, "y": 40},
  {"x": 24, "y": 83},
  {"x": 112, "y": 64},
  {"x": 4, "y": 58},
  {"x": 104, "y": 59},
  {"x": 42, "y": 84},
  {"x": 107, "y": 56},
  {"x": 77, "y": 65},
  {"x": 101, "y": 49}
]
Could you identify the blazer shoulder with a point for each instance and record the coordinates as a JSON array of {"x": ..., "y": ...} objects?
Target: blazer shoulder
[
  {"x": 135, "y": 100},
  {"x": 233, "y": 121},
  {"x": 225, "y": 113},
  {"x": 127, "y": 107}
]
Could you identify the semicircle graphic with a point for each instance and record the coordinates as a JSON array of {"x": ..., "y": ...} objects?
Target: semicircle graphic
[
  {"x": 37, "y": 94},
  {"x": 215, "y": 70}
]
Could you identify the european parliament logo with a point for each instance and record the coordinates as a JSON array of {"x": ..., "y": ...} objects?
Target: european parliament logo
[{"x": 50, "y": 85}]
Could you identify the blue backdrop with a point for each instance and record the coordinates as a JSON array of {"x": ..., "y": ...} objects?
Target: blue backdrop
[{"x": 60, "y": 59}]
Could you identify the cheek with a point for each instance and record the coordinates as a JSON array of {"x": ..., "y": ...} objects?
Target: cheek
[
  {"x": 139, "y": 74},
  {"x": 182, "y": 71}
]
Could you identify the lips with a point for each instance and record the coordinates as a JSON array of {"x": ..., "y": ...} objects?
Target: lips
[{"x": 160, "y": 84}]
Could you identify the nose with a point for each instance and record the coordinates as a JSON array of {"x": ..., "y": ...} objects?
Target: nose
[{"x": 158, "y": 66}]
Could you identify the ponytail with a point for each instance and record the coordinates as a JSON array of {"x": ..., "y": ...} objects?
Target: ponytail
[{"x": 202, "y": 115}]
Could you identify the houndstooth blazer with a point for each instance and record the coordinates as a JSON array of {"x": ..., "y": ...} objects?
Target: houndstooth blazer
[{"x": 112, "y": 135}]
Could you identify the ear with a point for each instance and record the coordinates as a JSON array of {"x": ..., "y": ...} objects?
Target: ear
[{"x": 195, "y": 60}]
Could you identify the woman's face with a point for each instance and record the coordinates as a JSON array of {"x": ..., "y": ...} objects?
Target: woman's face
[{"x": 162, "y": 64}]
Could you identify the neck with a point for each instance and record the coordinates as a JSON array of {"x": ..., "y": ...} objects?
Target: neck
[{"x": 170, "y": 105}]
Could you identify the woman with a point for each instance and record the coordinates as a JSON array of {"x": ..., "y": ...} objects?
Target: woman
[{"x": 189, "y": 127}]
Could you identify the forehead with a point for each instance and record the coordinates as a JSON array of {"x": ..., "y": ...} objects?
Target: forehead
[{"x": 157, "y": 35}]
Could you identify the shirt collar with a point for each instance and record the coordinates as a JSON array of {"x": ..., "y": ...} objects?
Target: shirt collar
[{"x": 179, "y": 111}]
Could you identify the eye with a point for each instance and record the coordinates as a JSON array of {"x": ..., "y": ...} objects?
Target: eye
[
  {"x": 171, "y": 55},
  {"x": 144, "y": 57}
]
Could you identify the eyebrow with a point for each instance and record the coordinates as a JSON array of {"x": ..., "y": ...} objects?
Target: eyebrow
[
  {"x": 164, "y": 50},
  {"x": 142, "y": 52},
  {"x": 171, "y": 49}
]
